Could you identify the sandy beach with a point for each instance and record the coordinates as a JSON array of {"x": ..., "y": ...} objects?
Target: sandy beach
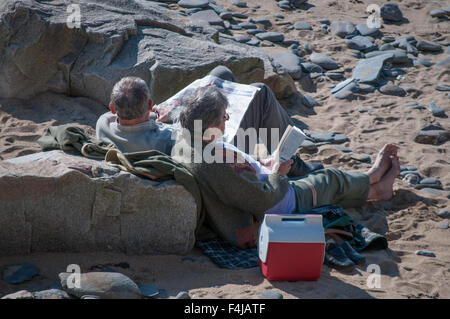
[{"x": 409, "y": 221}]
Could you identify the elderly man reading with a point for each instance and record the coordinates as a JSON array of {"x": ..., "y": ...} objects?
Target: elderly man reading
[
  {"x": 236, "y": 194},
  {"x": 132, "y": 124}
]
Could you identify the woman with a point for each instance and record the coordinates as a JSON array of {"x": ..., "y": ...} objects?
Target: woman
[{"x": 238, "y": 190}]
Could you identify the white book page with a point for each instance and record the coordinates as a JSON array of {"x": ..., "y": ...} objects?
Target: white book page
[{"x": 290, "y": 144}]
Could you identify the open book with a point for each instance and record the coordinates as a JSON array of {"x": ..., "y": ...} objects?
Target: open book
[{"x": 291, "y": 140}]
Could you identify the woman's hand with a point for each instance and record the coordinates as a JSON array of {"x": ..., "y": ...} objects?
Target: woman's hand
[{"x": 284, "y": 167}]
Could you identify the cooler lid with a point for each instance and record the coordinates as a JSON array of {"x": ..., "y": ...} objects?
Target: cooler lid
[{"x": 289, "y": 228}]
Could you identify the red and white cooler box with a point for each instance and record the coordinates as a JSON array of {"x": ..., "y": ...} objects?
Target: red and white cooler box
[{"x": 291, "y": 247}]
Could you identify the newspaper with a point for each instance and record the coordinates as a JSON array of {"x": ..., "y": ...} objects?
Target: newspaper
[
  {"x": 292, "y": 138},
  {"x": 239, "y": 97}
]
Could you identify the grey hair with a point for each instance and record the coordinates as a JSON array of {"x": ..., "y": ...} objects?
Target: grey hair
[
  {"x": 130, "y": 97},
  {"x": 204, "y": 103}
]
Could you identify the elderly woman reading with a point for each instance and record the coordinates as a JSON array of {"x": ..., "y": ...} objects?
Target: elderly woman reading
[{"x": 238, "y": 190}]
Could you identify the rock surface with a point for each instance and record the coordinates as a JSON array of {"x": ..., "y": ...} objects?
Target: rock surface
[
  {"x": 116, "y": 39},
  {"x": 60, "y": 202}
]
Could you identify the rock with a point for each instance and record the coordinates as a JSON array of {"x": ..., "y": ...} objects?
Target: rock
[
  {"x": 148, "y": 291},
  {"x": 366, "y": 88},
  {"x": 345, "y": 89},
  {"x": 89, "y": 297},
  {"x": 254, "y": 31},
  {"x": 391, "y": 89},
  {"x": 444, "y": 213},
  {"x": 297, "y": 3},
  {"x": 334, "y": 75},
  {"x": 443, "y": 224},
  {"x": 309, "y": 101},
  {"x": 291, "y": 43},
  {"x": 361, "y": 43},
  {"x": 398, "y": 56},
  {"x": 432, "y": 191},
  {"x": 18, "y": 273},
  {"x": 387, "y": 47},
  {"x": 324, "y": 61},
  {"x": 226, "y": 15},
  {"x": 361, "y": 158},
  {"x": 324, "y": 21},
  {"x": 429, "y": 183},
  {"x": 103, "y": 284},
  {"x": 434, "y": 137},
  {"x": 193, "y": 3},
  {"x": 270, "y": 294},
  {"x": 117, "y": 38},
  {"x": 302, "y": 25},
  {"x": 342, "y": 148},
  {"x": 75, "y": 204},
  {"x": 270, "y": 36},
  {"x": 284, "y": 5},
  {"x": 388, "y": 39},
  {"x": 253, "y": 42},
  {"x": 238, "y": 3},
  {"x": 428, "y": 47},
  {"x": 291, "y": 63},
  {"x": 342, "y": 28},
  {"x": 282, "y": 85},
  {"x": 435, "y": 110},
  {"x": 426, "y": 253},
  {"x": 22, "y": 294},
  {"x": 445, "y": 63},
  {"x": 183, "y": 295},
  {"x": 50, "y": 294},
  {"x": 239, "y": 15},
  {"x": 241, "y": 38},
  {"x": 443, "y": 88},
  {"x": 312, "y": 67},
  {"x": 334, "y": 138},
  {"x": 209, "y": 16},
  {"x": 407, "y": 43},
  {"x": 247, "y": 25},
  {"x": 423, "y": 61},
  {"x": 408, "y": 168},
  {"x": 411, "y": 179},
  {"x": 391, "y": 12},
  {"x": 368, "y": 70},
  {"x": 364, "y": 30},
  {"x": 438, "y": 14}
]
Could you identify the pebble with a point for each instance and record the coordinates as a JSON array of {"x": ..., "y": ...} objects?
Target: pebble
[
  {"x": 415, "y": 106},
  {"x": 239, "y": 15},
  {"x": 428, "y": 47},
  {"x": 18, "y": 273},
  {"x": 342, "y": 28},
  {"x": 335, "y": 75},
  {"x": 388, "y": 39},
  {"x": 193, "y": 3},
  {"x": 443, "y": 88},
  {"x": 108, "y": 285},
  {"x": 209, "y": 16},
  {"x": 334, "y": 138},
  {"x": 253, "y": 42},
  {"x": 22, "y": 294},
  {"x": 361, "y": 43},
  {"x": 391, "y": 89},
  {"x": 364, "y": 30},
  {"x": 411, "y": 179},
  {"x": 387, "y": 47},
  {"x": 423, "y": 61},
  {"x": 226, "y": 15},
  {"x": 50, "y": 294},
  {"x": 238, "y": 3},
  {"x": 342, "y": 148},
  {"x": 404, "y": 173},
  {"x": 391, "y": 12},
  {"x": 324, "y": 61},
  {"x": 443, "y": 224},
  {"x": 148, "y": 291},
  {"x": 361, "y": 158},
  {"x": 241, "y": 38},
  {"x": 284, "y": 5},
  {"x": 432, "y": 191},
  {"x": 270, "y": 294},
  {"x": 435, "y": 110},
  {"x": 270, "y": 36},
  {"x": 291, "y": 63},
  {"x": 290, "y": 42},
  {"x": 248, "y": 25},
  {"x": 301, "y": 25},
  {"x": 444, "y": 213},
  {"x": 429, "y": 183},
  {"x": 433, "y": 137},
  {"x": 345, "y": 89},
  {"x": 324, "y": 21},
  {"x": 264, "y": 22},
  {"x": 89, "y": 297},
  {"x": 438, "y": 14},
  {"x": 183, "y": 295},
  {"x": 312, "y": 67},
  {"x": 366, "y": 88},
  {"x": 426, "y": 253},
  {"x": 368, "y": 70},
  {"x": 408, "y": 168}
]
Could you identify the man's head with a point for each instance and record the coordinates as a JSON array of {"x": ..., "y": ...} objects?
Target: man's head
[
  {"x": 207, "y": 104},
  {"x": 131, "y": 99}
]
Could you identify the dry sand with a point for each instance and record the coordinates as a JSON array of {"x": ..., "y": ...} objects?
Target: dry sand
[{"x": 409, "y": 221}]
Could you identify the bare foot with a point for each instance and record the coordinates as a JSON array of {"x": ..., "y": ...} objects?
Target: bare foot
[
  {"x": 382, "y": 163},
  {"x": 383, "y": 190}
]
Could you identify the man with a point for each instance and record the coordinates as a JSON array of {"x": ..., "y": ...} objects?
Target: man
[{"x": 132, "y": 124}]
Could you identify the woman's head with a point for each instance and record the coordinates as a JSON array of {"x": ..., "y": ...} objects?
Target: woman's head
[{"x": 205, "y": 104}]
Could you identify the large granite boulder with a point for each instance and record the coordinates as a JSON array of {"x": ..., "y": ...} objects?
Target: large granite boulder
[
  {"x": 40, "y": 52},
  {"x": 57, "y": 202}
]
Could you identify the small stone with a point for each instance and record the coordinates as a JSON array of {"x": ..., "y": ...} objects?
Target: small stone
[
  {"x": 183, "y": 295},
  {"x": 291, "y": 63},
  {"x": 254, "y": 31},
  {"x": 387, "y": 39},
  {"x": 264, "y": 22},
  {"x": 429, "y": 183},
  {"x": 423, "y": 61},
  {"x": 106, "y": 285},
  {"x": 253, "y": 42},
  {"x": 312, "y": 67},
  {"x": 148, "y": 291},
  {"x": 428, "y": 47},
  {"x": 426, "y": 253},
  {"x": 209, "y": 16},
  {"x": 247, "y": 25},
  {"x": 366, "y": 88},
  {"x": 241, "y": 38},
  {"x": 324, "y": 21},
  {"x": 270, "y": 36},
  {"x": 361, "y": 158},
  {"x": 391, "y": 89},
  {"x": 391, "y": 12},
  {"x": 239, "y": 15},
  {"x": 411, "y": 179},
  {"x": 193, "y": 3},
  {"x": 302, "y": 25},
  {"x": 443, "y": 88},
  {"x": 368, "y": 70},
  {"x": 324, "y": 61},
  {"x": 342, "y": 149},
  {"x": 342, "y": 28},
  {"x": 438, "y": 14},
  {"x": 291, "y": 43},
  {"x": 364, "y": 30},
  {"x": 408, "y": 168},
  {"x": 89, "y": 297},
  {"x": 238, "y": 3},
  {"x": 433, "y": 137},
  {"x": 444, "y": 213},
  {"x": 361, "y": 43},
  {"x": 50, "y": 294},
  {"x": 226, "y": 15},
  {"x": 387, "y": 47},
  {"x": 270, "y": 294},
  {"x": 435, "y": 110},
  {"x": 18, "y": 273},
  {"x": 22, "y": 294},
  {"x": 443, "y": 224}
]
